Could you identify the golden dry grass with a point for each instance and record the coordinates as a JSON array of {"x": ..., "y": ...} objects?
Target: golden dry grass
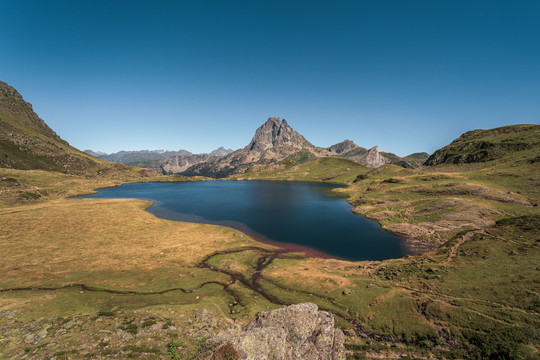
[{"x": 104, "y": 242}]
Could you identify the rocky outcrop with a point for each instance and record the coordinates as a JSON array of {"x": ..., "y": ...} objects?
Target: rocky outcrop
[
  {"x": 370, "y": 158},
  {"x": 295, "y": 332},
  {"x": 373, "y": 159}
]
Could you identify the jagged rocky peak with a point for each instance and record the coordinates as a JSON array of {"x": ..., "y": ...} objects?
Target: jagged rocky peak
[
  {"x": 276, "y": 132},
  {"x": 342, "y": 147},
  {"x": 374, "y": 159}
]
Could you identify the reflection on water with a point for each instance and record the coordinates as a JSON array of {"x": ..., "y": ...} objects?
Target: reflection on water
[{"x": 305, "y": 214}]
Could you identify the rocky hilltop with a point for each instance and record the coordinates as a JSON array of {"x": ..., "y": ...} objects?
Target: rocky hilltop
[
  {"x": 489, "y": 145},
  {"x": 27, "y": 143}
]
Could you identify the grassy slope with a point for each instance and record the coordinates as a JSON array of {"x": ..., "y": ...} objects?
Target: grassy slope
[
  {"x": 108, "y": 245},
  {"x": 330, "y": 169},
  {"x": 27, "y": 143},
  {"x": 497, "y": 144}
]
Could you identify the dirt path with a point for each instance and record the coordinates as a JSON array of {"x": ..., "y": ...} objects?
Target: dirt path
[{"x": 454, "y": 249}]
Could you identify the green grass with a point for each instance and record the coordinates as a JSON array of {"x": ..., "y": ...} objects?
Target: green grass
[{"x": 330, "y": 169}]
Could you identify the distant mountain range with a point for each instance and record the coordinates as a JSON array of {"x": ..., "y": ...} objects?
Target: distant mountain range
[{"x": 147, "y": 156}]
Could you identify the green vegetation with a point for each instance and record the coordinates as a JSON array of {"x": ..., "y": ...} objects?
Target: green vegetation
[
  {"x": 517, "y": 142},
  {"x": 330, "y": 169},
  {"x": 174, "y": 350}
]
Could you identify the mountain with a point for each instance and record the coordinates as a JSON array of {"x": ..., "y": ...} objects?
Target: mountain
[
  {"x": 276, "y": 141},
  {"x": 165, "y": 161},
  {"x": 343, "y": 147},
  {"x": 416, "y": 159},
  {"x": 179, "y": 164},
  {"x": 27, "y": 143},
  {"x": 372, "y": 158},
  {"x": 273, "y": 141},
  {"x": 129, "y": 157},
  {"x": 508, "y": 143},
  {"x": 221, "y": 151},
  {"x": 94, "y": 154}
]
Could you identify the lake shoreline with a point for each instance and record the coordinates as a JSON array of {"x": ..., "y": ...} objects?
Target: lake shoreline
[{"x": 300, "y": 214}]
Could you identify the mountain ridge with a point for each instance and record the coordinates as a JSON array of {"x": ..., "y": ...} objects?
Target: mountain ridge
[
  {"x": 136, "y": 157},
  {"x": 275, "y": 140}
]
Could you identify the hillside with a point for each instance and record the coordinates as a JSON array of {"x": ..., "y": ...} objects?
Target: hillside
[
  {"x": 27, "y": 143},
  {"x": 482, "y": 176},
  {"x": 508, "y": 143},
  {"x": 326, "y": 169}
]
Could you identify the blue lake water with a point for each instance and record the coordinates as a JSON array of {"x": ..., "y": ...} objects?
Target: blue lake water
[{"x": 305, "y": 214}]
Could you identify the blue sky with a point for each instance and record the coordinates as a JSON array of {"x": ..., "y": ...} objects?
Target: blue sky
[{"x": 407, "y": 75}]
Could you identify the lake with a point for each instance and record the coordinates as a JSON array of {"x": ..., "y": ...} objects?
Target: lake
[{"x": 302, "y": 214}]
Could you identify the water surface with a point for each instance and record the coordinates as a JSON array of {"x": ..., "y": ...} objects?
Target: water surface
[{"x": 305, "y": 214}]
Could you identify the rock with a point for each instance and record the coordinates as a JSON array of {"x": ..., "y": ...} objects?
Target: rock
[
  {"x": 373, "y": 159},
  {"x": 298, "y": 331},
  {"x": 346, "y": 291}
]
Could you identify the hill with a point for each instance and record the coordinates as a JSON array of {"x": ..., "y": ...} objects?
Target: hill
[
  {"x": 27, "y": 143},
  {"x": 508, "y": 143}
]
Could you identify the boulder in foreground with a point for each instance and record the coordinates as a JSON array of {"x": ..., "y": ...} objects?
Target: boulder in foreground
[{"x": 300, "y": 331}]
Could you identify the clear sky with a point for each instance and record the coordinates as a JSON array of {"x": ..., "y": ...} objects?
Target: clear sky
[{"x": 407, "y": 75}]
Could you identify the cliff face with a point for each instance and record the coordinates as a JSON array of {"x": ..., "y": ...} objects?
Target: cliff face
[{"x": 27, "y": 143}]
